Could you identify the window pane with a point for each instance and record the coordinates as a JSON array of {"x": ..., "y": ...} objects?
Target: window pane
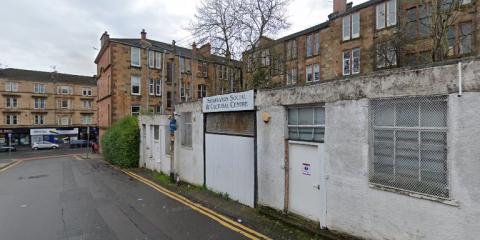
[
  {"x": 433, "y": 114},
  {"x": 305, "y": 134},
  {"x": 305, "y": 116},
  {"x": 293, "y": 133},
  {"x": 346, "y": 28},
  {"x": 407, "y": 114},
  {"x": 356, "y": 60},
  {"x": 319, "y": 134},
  {"x": 380, "y": 15},
  {"x": 319, "y": 116},
  {"x": 293, "y": 116},
  {"x": 466, "y": 38},
  {"x": 392, "y": 13},
  {"x": 346, "y": 63},
  {"x": 383, "y": 114},
  {"x": 406, "y": 154},
  {"x": 355, "y": 25},
  {"x": 383, "y": 152}
]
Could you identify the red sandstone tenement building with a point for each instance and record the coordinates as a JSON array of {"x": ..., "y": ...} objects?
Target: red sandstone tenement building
[
  {"x": 134, "y": 75},
  {"x": 371, "y": 36}
]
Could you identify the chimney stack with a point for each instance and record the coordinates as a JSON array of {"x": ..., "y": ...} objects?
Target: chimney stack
[
  {"x": 144, "y": 34},
  {"x": 339, "y": 6},
  {"x": 104, "y": 39},
  {"x": 205, "y": 49}
]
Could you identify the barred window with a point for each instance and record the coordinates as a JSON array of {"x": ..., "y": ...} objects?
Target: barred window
[
  {"x": 187, "y": 129},
  {"x": 306, "y": 123},
  {"x": 410, "y": 144}
]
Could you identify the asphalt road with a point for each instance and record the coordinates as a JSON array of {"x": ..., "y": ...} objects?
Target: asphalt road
[
  {"x": 26, "y": 152},
  {"x": 67, "y": 198}
]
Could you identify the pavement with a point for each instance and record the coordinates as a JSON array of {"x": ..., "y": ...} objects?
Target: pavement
[{"x": 68, "y": 197}]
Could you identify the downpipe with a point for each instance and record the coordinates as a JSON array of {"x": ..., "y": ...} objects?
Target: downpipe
[{"x": 460, "y": 79}]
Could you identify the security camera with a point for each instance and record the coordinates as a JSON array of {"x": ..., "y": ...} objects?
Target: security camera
[{"x": 177, "y": 114}]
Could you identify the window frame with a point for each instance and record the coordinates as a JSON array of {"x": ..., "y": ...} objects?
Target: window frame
[
  {"x": 39, "y": 103},
  {"x": 314, "y": 126},
  {"x": 158, "y": 87},
  {"x": 151, "y": 87},
  {"x": 11, "y": 102},
  {"x": 134, "y": 84},
  {"x": 187, "y": 133},
  {"x": 309, "y": 73},
  {"x": 151, "y": 59},
  {"x": 134, "y": 51},
  {"x": 136, "y": 113}
]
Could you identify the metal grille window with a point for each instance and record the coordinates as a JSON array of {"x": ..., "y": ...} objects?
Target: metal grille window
[
  {"x": 306, "y": 123},
  {"x": 409, "y": 143},
  {"x": 187, "y": 129}
]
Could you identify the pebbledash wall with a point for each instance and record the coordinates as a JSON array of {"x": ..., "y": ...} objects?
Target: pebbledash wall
[{"x": 353, "y": 205}]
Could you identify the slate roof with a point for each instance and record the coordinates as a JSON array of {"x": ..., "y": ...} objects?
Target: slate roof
[
  {"x": 161, "y": 46},
  {"x": 39, "y": 76}
]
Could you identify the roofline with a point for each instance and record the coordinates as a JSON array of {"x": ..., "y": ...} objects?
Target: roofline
[{"x": 92, "y": 77}]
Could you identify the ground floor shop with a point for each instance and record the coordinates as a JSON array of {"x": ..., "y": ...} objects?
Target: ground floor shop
[{"x": 27, "y": 136}]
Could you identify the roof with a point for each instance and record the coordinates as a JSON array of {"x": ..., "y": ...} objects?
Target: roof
[
  {"x": 39, "y": 76},
  {"x": 161, "y": 46}
]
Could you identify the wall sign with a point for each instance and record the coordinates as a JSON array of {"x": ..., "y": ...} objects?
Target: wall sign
[
  {"x": 242, "y": 101},
  {"x": 306, "y": 170},
  {"x": 52, "y": 131}
]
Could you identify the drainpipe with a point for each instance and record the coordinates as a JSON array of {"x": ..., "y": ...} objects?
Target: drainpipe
[{"x": 460, "y": 80}]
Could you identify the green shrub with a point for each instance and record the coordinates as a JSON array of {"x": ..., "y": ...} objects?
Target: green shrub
[{"x": 121, "y": 143}]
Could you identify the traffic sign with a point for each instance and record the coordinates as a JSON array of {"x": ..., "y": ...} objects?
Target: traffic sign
[{"x": 173, "y": 125}]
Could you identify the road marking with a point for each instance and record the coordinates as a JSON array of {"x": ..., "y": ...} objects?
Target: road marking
[
  {"x": 223, "y": 220},
  {"x": 77, "y": 157},
  {"x": 11, "y": 165},
  {"x": 45, "y": 157}
]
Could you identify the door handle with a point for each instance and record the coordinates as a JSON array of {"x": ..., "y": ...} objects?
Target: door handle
[{"x": 317, "y": 186}]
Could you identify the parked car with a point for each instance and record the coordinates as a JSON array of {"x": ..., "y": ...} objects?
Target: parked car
[
  {"x": 78, "y": 143},
  {"x": 44, "y": 145},
  {"x": 6, "y": 148}
]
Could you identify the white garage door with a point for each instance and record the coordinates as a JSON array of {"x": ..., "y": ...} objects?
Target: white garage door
[{"x": 229, "y": 155}]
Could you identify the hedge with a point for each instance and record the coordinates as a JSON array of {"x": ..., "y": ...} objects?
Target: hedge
[{"x": 121, "y": 143}]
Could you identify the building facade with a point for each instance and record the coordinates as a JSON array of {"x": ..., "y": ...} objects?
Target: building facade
[
  {"x": 139, "y": 75},
  {"x": 372, "y": 36},
  {"x": 49, "y": 106}
]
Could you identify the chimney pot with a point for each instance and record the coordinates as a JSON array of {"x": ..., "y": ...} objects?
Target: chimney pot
[
  {"x": 104, "y": 39},
  {"x": 143, "y": 34}
]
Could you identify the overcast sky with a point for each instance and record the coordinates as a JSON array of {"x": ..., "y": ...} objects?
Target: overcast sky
[{"x": 39, "y": 34}]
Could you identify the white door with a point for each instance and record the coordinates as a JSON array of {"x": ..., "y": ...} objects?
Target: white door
[{"x": 307, "y": 193}]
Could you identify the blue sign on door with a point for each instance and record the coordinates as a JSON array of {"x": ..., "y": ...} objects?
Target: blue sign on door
[{"x": 173, "y": 125}]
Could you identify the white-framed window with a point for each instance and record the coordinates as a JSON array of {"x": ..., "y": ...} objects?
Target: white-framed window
[
  {"x": 135, "y": 110},
  {"x": 87, "y": 104},
  {"x": 64, "y": 90},
  {"x": 346, "y": 62},
  {"x": 135, "y": 82},
  {"x": 65, "y": 103},
  {"x": 181, "y": 61},
  {"x": 64, "y": 120},
  {"x": 308, "y": 44},
  {"x": 351, "y": 61},
  {"x": 316, "y": 43},
  {"x": 187, "y": 129},
  {"x": 202, "y": 91},
  {"x": 158, "y": 60},
  {"x": 135, "y": 56},
  {"x": 11, "y": 86},
  {"x": 39, "y": 88},
  {"x": 316, "y": 72},
  {"x": 309, "y": 73},
  {"x": 39, "y": 103},
  {"x": 306, "y": 123},
  {"x": 386, "y": 14},
  {"x": 151, "y": 87},
  {"x": 265, "y": 54},
  {"x": 11, "y": 119},
  {"x": 11, "y": 102},
  {"x": 86, "y": 119},
  {"x": 292, "y": 76},
  {"x": 351, "y": 26},
  {"x": 151, "y": 59},
  {"x": 86, "y": 92},
  {"x": 409, "y": 144},
  {"x": 158, "y": 88},
  {"x": 38, "y": 119},
  {"x": 356, "y": 61}
]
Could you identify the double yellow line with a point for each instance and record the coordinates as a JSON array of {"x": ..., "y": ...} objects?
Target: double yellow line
[
  {"x": 223, "y": 220},
  {"x": 11, "y": 165}
]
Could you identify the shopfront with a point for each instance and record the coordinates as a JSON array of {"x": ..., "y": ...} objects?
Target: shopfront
[
  {"x": 19, "y": 136},
  {"x": 54, "y": 135}
]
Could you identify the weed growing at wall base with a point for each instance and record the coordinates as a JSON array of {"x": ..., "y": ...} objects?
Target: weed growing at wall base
[{"x": 120, "y": 144}]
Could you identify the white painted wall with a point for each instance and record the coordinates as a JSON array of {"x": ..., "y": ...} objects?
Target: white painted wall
[
  {"x": 149, "y": 158},
  {"x": 189, "y": 160},
  {"x": 357, "y": 208}
]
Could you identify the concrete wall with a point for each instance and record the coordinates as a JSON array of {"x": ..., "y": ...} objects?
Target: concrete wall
[
  {"x": 189, "y": 160},
  {"x": 353, "y": 205}
]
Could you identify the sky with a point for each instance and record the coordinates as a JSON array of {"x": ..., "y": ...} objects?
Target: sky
[{"x": 65, "y": 34}]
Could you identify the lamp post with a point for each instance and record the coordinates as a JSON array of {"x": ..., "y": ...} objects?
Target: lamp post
[{"x": 172, "y": 116}]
